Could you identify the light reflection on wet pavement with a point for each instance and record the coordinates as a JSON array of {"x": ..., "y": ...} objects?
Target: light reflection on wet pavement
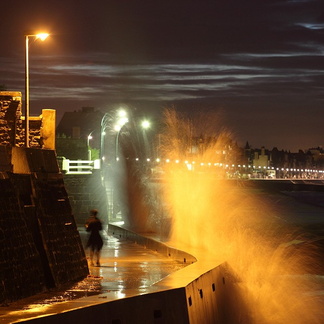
[{"x": 124, "y": 266}]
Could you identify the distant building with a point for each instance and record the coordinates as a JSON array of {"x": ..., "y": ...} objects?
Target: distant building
[
  {"x": 261, "y": 159},
  {"x": 318, "y": 157},
  {"x": 77, "y": 132}
]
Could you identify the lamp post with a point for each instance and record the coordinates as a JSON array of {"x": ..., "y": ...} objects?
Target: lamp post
[
  {"x": 123, "y": 119},
  {"x": 88, "y": 145},
  {"x": 103, "y": 125},
  {"x": 41, "y": 36},
  {"x": 146, "y": 124}
]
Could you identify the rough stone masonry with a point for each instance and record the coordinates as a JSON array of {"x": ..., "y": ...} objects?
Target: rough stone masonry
[{"x": 40, "y": 247}]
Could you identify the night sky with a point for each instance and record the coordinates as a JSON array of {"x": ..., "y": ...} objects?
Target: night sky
[{"x": 259, "y": 63}]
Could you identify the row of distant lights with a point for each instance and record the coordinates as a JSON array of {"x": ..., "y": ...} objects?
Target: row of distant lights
[{"x": 232, "y": 166}]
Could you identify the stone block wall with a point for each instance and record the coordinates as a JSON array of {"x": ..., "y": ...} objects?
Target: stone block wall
[
  {"x": 86, "y": 192},
  {"x": 61, "y": 238},
  {"x": 21, "y": 272},
  {"x": 10, "y": 122},
  {"x": 40, "y": 246},
  {"x": 12, "y": 127}
]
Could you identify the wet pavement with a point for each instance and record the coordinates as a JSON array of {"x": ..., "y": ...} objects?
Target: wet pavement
[{"x": 127, "y": 269}]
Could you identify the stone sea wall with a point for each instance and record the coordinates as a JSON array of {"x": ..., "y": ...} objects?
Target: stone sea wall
[
  {"x": 86, "y": 192},
  {"x": 40, "y": 247}
]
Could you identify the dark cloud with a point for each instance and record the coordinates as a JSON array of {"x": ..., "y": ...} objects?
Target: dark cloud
[{"x": 258, "y": 61}]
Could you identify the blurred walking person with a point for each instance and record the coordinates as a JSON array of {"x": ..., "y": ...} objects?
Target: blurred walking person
[{"x": 95, "y": 242}]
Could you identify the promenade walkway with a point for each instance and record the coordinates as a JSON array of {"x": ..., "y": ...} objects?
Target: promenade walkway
[{"x": 127, "y": 269}]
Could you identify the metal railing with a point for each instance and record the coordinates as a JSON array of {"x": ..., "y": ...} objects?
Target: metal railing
[{"x": 79, "y": 166}]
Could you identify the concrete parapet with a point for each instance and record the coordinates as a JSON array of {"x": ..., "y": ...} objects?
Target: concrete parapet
[
  {"x": 151, "y": 244},
  {"x": 216, "y": 297},
  {"x": 165, "y": 307},
  {"x": 208, "y": 292},
  {"x": 202, "y": 292}
]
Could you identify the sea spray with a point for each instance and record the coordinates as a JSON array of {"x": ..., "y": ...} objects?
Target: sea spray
[{"x": 224, "y": 220}]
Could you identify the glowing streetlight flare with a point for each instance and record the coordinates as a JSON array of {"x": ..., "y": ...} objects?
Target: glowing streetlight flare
[
  {"x": 117, "y": 127},
  {"x": 122, "y": 113},
  {"x": 146, "y": 124},
  {"x": 41, "y": 36}
]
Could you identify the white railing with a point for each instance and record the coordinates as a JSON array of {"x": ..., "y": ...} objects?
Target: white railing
[{"x": 80, "y": 166}]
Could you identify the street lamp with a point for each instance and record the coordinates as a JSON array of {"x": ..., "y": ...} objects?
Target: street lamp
[
  {"x": 41, "y": 36},
  {"x": 145, "y": 124},
  {"x": 88, "y": 145},
  {"x": 103, "y": 125},
  {"x": 122, "y": 120}
]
